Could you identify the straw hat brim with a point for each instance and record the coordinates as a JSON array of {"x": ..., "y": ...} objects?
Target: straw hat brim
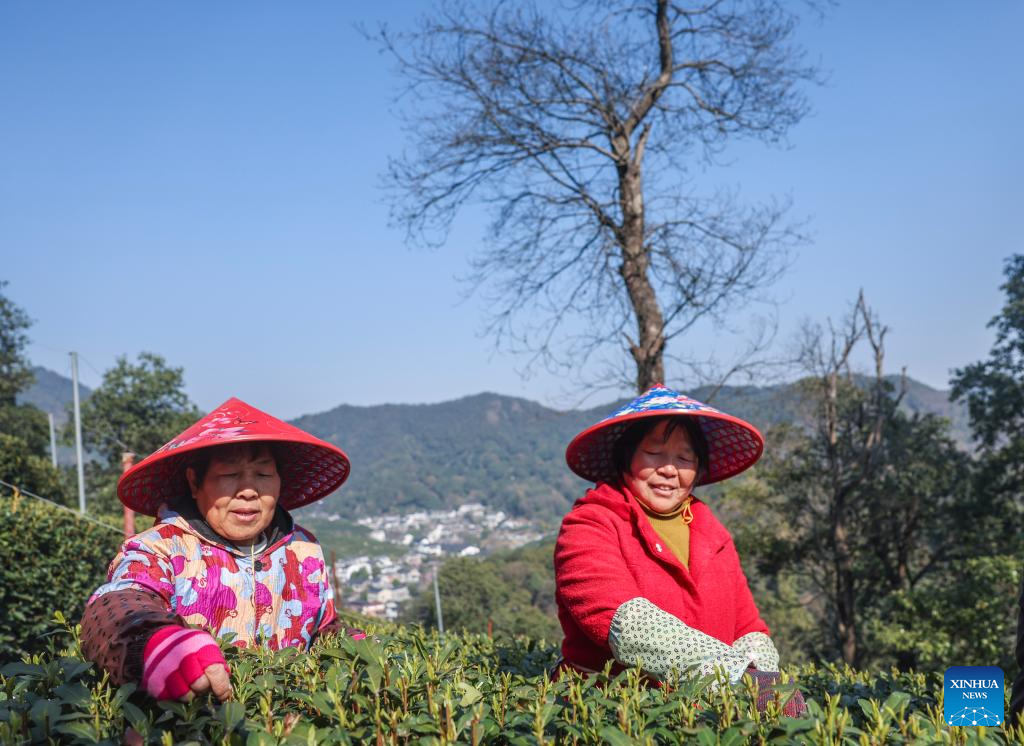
[
  {"x": 734, "y": 445},
  {"x": 310, "y": 469}
]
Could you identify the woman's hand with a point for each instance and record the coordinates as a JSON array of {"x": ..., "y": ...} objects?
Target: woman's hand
[
  {"x": 179, "y": 663},
  {"x": 215, "y": 678}
]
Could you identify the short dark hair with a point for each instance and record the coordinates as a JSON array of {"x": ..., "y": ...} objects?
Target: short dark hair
[
  {"x": 201, "y": 459},
  {"x": 626, "y": 445}
]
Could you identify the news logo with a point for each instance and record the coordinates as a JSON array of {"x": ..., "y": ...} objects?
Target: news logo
[{"x": 973, "y": 695}]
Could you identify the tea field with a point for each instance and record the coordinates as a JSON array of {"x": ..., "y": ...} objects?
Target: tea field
[{"x": 407, "y": 686}]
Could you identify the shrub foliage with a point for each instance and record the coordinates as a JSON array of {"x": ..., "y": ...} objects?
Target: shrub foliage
[
  {"x": 50, "y": 560},
  {"x": 407, "y": 686}
]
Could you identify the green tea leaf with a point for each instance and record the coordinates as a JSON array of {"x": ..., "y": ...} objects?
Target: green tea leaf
[
  {"x": 231, "y": 714},
  {"x": 706, "y": 737},
  {"x": 614, "y": 736},
  {"x": 83, "y": 732},
  {"x": 896, "y": 700},
  {"x": 471, "y": 695}
]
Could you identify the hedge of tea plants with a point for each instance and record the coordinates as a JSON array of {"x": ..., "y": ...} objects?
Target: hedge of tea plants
[
  {"x": 50, "y": 560},
  {"x": 407, "y": 686}
]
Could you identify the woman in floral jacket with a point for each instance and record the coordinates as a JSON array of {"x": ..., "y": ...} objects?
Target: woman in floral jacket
[
  {"x": 224, "y": 559},
  {"x": 645, "y": 574}
]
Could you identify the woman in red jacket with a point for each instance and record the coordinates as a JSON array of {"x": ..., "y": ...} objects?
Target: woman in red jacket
[{"x": 645, "y": 574}]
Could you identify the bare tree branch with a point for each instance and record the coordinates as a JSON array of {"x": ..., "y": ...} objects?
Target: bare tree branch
[{"x": 576, "y": 125}]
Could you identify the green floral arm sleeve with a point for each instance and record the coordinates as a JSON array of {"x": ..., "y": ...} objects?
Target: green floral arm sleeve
[
  {"x": 643, "y": 634},
  {"x": 760, "y": 649}
]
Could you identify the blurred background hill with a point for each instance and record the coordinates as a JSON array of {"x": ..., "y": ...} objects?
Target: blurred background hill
[{"x": 503, "y": 452}]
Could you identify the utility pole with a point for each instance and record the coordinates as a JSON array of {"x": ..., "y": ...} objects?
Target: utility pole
[
  {"x": 334, "y": 580},
  {"x": 53, "y": 440},
  {"x": 78, "y": 433},
  {"x": 437, "y": 602},
  {"x": 127, "y": 461}
]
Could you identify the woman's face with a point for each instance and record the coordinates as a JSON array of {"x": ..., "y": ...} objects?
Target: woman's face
[
  {"x": 238, "y": 493},
  {"x": 663, "y": 469}
]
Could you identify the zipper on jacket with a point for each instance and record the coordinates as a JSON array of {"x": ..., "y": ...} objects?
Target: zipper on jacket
[{"x": 252, "y": 573}]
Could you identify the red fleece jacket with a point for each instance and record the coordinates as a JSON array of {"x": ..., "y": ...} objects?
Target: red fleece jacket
[{"x": 608, "y": 553}]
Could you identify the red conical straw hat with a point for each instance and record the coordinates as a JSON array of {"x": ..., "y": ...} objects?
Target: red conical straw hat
[{"x": 310, "y": 468}]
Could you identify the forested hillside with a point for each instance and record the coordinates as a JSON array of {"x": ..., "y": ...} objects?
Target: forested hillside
[
  {"x": 500, "y": 451},
  {"x": 504, "y": 452},
  {"x": 507, "y": 453}
]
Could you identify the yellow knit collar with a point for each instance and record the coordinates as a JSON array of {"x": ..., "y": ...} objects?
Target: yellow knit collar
[{"x": 684, "y": 509}]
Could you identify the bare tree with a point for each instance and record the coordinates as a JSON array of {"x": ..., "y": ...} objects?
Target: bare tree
[
  {"x": 843, "y": 461},
  {"x": 582, "y": 128},
  {"x": 857, "y": 511}
]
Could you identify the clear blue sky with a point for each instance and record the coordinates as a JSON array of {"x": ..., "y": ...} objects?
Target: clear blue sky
[{"x": 200, "y": 180}]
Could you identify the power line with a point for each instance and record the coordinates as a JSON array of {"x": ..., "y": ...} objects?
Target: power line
[
  {"x": 19, "y": 491},
  {"x": 51, "y": 348},
  {"x": 85, "y": 360}
]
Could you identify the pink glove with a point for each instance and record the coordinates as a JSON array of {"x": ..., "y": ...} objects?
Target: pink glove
[
  {"x": 795, "y": 707},
  {"x": 175, "y": 658}
]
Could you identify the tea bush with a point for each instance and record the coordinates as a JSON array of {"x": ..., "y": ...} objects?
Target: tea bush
[
  {"x": 50, "y": 560},
  {"x": 407, "y": 686}
]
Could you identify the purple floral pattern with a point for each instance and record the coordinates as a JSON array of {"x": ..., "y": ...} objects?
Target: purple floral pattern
[{"x": 278, "y": 598}]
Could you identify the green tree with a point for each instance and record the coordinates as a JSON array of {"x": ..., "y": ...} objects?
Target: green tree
[
  {"x": 964, "y": 614},
  {"x": 766, "y": 535},
  {"x": 138, "y": 407},
  {"x": 15, "y": 371},
  {"x": 872, "y": 500},
  {"x": 24, "y": 431},
  {"x": 28, "y": 470},
  {"x": 28, "y": 424},
  {"x": 513, "y": 593},
  {"x": 994, "y": 392}
]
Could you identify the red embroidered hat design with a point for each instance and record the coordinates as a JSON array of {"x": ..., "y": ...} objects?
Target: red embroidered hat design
[{"x": 733, "y": 444}]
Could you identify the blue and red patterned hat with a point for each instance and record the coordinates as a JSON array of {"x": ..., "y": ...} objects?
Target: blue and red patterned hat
[
  {"x": 310, "y": 468},
  {"x": 733, "y": 444}
]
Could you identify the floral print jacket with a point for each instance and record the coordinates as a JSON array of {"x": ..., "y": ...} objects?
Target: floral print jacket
[{"x": 181, "y": 572}]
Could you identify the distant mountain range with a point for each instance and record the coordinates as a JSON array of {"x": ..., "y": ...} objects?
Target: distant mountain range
[
  {"x": 504, "y": 452},
  {"x": 507, "y": 452},
  {"x": 52, "y": 393}
]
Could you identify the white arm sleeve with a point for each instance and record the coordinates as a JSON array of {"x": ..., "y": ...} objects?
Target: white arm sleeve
[
  {"x": 760, "y": 648},
  {"x": 645, "y": 635}
]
